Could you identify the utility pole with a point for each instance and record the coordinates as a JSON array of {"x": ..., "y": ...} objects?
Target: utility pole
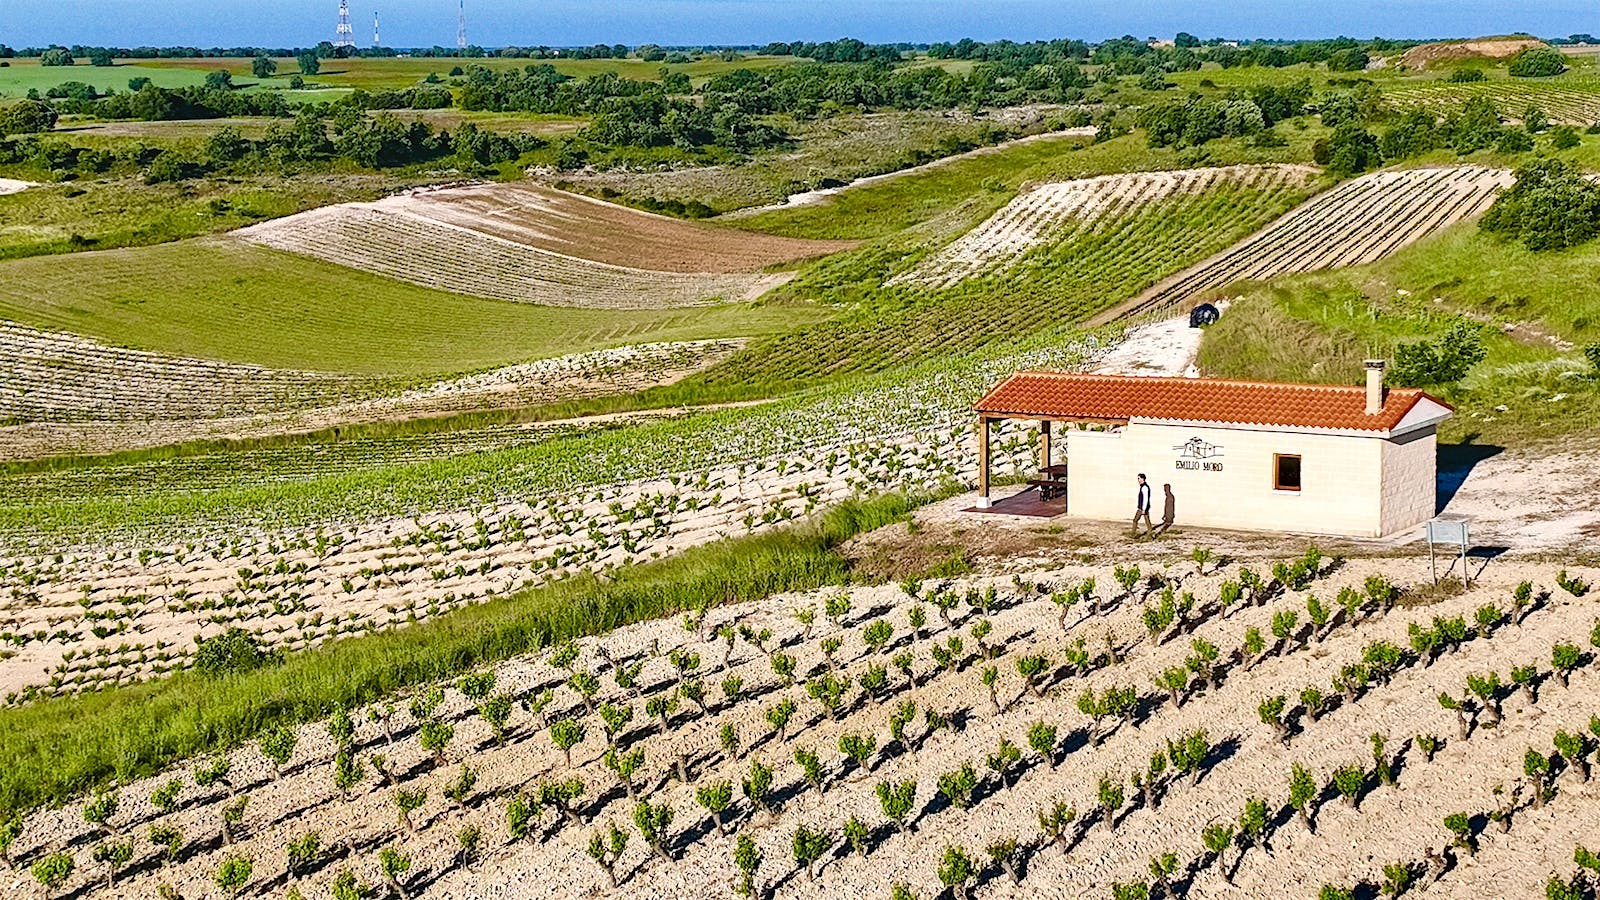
[
  {"x": 461, "y": 25},
  {"x": 345, "y": 36}
]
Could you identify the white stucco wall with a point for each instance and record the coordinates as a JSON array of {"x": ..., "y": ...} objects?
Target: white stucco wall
[
  {"x": 1410, "y": 481},
  {"x": 1342, "y": 489}
]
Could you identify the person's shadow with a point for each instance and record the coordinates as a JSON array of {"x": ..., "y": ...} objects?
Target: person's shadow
[{"x": 1169, "y": 510}]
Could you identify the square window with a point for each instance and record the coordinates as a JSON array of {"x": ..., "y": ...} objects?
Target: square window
[{"x": 1285, "y": 472}]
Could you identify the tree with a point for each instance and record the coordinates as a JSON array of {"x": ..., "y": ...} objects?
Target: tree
[
  {"x": 27, "y": 117},
  {"x": 219, "y": 79},
  {"x": 309, "y": 63},
  {"x": 263, "y": 66},
  {"x": 56, "y": 56},
  {"x": 1351, "y": 150}
]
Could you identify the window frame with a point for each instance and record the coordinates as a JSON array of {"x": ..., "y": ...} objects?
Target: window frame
[{"x": 1277, "y": 473}]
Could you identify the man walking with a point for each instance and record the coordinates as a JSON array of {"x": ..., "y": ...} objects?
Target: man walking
[{"x": 1143, "y": 509}]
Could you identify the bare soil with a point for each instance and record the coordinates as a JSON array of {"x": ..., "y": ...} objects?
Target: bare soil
[
  {"x": 574, "y": 225},
  {"x": 1496, "y": 48},
  {"x": 1398, "y": 822}
]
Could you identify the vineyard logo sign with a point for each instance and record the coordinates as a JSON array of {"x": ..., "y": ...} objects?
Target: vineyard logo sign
[{"x": 1198, "y": 455}]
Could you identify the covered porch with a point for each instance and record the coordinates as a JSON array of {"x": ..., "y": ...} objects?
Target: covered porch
[{"x": 1045, "y": 492}]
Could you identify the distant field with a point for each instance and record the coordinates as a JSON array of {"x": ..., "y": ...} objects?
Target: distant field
[
  {"x": 378, "y": 74},
  {"x": 23, "y": 74},
  {"x": 229, "y": 301},
  {"x": 124, "y": 212}
]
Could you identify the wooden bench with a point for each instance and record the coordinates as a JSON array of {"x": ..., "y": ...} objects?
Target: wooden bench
[{"x": 1049, "y": 488}]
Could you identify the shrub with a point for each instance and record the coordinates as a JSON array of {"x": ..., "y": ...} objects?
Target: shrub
[
  {"x": 1537, "y": 62},
  {"x": 1550, "y": 207},
  {"x": 747, "y": 859},
  {"x": 606, "y": 847},
  {"x": 27, "y": 117},
  {"x": 408, "y": 802},
  {"x": 809, "y": 846},
  {"x": 52, "y": 871},
  {"x": 277, "y": 744},
  {"x": 394, "y": 864},
  {"x": 653, "y": 820},
  {"x": 233, "y": 651},
  {"x": 114, "y": 855},
  {"x": 758, "y": 786},
  {"x": 234, "y": 873},
  {"x": 1110, "y": 794},
  {"x": 566, "y": 734},
  {"x": 1564, "y": 137},
  {"x": 304, "y": 853},
  {"x": 1303, "y": 793},
  {"x": 169, "y": 839},
  {"x": 1350, "y": 782},
  {"x": 1444, "y": 360},
  {"x": 1468, "y": 75},
  {"x": 956, "y": 870},
  {"x": 958, "y": 786}
]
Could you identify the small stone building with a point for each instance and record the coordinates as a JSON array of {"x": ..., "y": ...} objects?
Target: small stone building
[{"x": 1320, "y": 459}]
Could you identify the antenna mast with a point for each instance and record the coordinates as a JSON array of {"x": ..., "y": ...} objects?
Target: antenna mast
[
  {"x": 376, "y": 41},
  {"x": 461, "y": 25},
  {"x": 345, "y": 36}
]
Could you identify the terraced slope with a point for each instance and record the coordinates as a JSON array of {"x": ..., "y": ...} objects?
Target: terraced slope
[
  {"x": 1050, "y": 212},
  {"x": 56, "y": 377},
  {"x": 534, "y": 244},
  {"x": 1361, "y": 221},
  {"x": 1566, "y": 100}
]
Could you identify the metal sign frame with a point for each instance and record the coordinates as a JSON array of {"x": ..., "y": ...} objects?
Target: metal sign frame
[{"x": 1452, "y": 533}]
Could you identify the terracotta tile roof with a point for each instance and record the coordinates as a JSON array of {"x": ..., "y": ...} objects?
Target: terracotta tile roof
[{"x": 1121, "y": 397}]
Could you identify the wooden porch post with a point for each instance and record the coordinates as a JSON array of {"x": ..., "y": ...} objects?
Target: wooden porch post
[
  {"x": 983, "y": 461},
  {"x": 1044, "y": 444}
]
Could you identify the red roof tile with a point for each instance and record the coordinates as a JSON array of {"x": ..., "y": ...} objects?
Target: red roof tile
[{"x": 1121, "y": 397}]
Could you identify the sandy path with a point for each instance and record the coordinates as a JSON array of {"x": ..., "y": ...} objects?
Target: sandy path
[{"x": 13, "y": 186}]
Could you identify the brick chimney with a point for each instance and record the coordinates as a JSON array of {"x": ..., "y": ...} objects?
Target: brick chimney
[{"x": 1375, "y": 386}]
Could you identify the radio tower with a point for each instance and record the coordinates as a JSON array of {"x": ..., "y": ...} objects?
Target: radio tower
[
  {"x": 345, "y": 35},
  {"x": 376, "y": 41},
  {"x": 461, "y": 26}
]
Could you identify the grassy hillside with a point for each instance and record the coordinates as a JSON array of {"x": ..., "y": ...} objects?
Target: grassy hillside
[
  {"x": 1532, "y": 384},
  {"x": 230, "y": 301},
  {"x": 24, "y": 75}
]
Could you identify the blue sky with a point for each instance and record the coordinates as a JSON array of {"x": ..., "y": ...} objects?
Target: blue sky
[{"x": 569, "y": 22}]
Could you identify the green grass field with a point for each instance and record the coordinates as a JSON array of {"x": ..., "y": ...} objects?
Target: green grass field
[
  {"x": 126, "y": 212},
  {"x": 25, "y": 74},
  {"x": 1318, "y": 327},
  {"x": 231, "y": 301}
]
